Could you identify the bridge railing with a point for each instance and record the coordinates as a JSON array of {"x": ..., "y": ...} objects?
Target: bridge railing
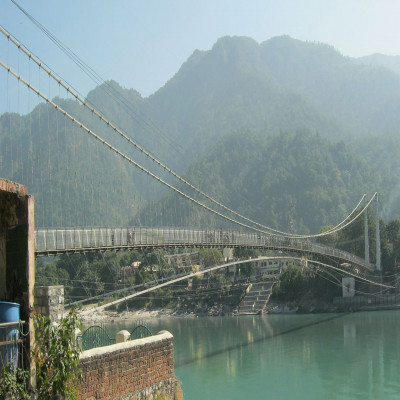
[{"x": 48, "y": 241}]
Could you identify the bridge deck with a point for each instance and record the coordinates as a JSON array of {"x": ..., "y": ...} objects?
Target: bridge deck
[{"x": 55, "y": 241}]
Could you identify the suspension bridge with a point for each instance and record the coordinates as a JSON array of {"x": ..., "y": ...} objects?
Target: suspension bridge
[
  {"x": 59, "y": 241},
  {"x": 252, "y": 234}
]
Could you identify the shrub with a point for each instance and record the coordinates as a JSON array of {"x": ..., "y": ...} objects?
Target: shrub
[
  {"x": 13, "y": 383},
  {"x": 57, "y": 357}
]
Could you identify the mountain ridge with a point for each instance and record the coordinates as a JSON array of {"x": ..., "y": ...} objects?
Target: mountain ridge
[{"x": 277, "y": 87}]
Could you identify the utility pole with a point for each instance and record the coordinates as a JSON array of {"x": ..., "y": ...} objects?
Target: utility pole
[{"x": 378, "y": 238}]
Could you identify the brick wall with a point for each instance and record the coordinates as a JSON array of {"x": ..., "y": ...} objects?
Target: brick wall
[{"x": 137, "y": 369}]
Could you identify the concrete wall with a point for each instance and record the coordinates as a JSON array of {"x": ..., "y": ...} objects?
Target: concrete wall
[
  {"x": 137, "y": 369},
  {"x": 49, "y": 301}
]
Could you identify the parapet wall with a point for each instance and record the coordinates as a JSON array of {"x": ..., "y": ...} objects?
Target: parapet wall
[{"x": 136, "y": 369}]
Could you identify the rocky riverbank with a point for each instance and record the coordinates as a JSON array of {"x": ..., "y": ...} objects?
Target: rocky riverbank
[{"x": 90, "y": 316}]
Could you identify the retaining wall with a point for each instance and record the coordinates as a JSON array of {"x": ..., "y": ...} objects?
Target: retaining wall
[{"x": 137, "y": 369}]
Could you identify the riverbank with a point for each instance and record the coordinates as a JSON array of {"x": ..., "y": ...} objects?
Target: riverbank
[
  {"x": 103, "y": 316},
  {"x": 90, "y": 316}
]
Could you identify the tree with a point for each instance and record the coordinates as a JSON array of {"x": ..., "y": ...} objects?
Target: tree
[
  {"x": 243, "y": 253},
  {"x": 209, "y": 257},
  {"x": 50, "y": 274},
  {"x": 291, "y": 282},
  {"x": 196, "y": 282},
  {"x": 247, "y": 269},
  {"x": 153, "y": 258},
  {"x": 329, "y": 240}
]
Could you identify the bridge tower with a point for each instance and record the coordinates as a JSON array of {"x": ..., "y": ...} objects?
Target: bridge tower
[
  {"x": 378, "y": 238},
  {"x": 366, "y": 237}
]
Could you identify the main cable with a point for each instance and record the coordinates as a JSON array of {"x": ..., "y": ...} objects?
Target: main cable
[
  {"x": 93, "y": 75},
  {"x": 130, "y": 160},
  {"x": 165, "y": 167}
]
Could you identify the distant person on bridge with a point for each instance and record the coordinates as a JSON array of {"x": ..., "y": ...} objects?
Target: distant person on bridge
[{"x": 130, "y": 237}]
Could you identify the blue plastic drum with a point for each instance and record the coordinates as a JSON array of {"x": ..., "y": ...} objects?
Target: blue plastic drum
[{"x": 9, "y": 312}]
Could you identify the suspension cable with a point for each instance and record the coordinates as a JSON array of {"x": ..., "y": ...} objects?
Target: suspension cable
[
  {"x": 122, "y": 134},
  {"x": 96, "y": 78},
  {"x": 118, "y": 152},
  {"x": 351, "y": 274},
  {"x": 161, "y": 164}
]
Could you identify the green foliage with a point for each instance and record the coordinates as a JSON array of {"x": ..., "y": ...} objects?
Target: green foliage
[
  {"x": 282, "y": 85},
  {"x": 351, "y": 239},
  {"x": 50, "y": 275},
  {"x": 243, "y": 253},
  {"x": 291, "y": 283},
  {"x": 92, "y": 274},
  {"x": 247, "y": 269},
  {"x": 163, "y": 297},
  {"x": 153, "y": 258},
  {"x": 329, "y": 240},
  {"x": 196, "y": 282},
  {"x": 325, "y": 285},
  {"x": 209, "y": 257},
  {"x": 72, "y": 176},
  {"x": 264, "y": 177},
  {"x": 56, "y": 357},
  {"x": 13, "y": 384},
  {"x": 217, "y": 280},
  {"x": 87, "y": 275},
  {"x": 139, "y": 277},
  {"x": 277, "y": 86},
  {"x": 390, "y": 246}
]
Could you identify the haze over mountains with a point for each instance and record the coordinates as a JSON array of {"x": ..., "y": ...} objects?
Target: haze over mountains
[
  {"x": 381, "y": 60},
  {"x": 266, "y": 128}
]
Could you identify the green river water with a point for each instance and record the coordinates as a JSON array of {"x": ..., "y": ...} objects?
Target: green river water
[{"x": 323, "y": 356}]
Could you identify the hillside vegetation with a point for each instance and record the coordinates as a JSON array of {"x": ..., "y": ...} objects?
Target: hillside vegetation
[
  {"x": 279, "y": 130},
  {"x": 269, "y": 178}
]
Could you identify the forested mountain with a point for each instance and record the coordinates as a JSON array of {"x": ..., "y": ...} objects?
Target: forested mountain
[
  {"x": 381, "y": 60},
  {"x": 382, "y": 154},
  {"x": 75, "y": 180},
  {"x": 300, "y": 175},
  {"x": 312, "y": 132},
  {"x": 363, "y": 98},
  {"x": 281, "y": 84},
  {"x": 227, "y": 88},
  {"x": 276, "y": 85}
]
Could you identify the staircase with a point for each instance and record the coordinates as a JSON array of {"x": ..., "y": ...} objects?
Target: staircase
[{"x": 255, "y": 301}]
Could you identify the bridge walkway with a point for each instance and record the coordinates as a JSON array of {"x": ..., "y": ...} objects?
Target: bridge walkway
[{"x": 56, "y": 241}]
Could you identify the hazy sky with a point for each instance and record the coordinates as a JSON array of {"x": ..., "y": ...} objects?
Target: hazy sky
[{"x": 142, "y": 43}]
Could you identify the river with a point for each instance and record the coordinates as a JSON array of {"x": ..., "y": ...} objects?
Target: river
[{"x": 321, "y": 356}]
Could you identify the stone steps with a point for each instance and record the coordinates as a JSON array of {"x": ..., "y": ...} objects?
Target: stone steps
[{"x": 256, "y": 299}]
